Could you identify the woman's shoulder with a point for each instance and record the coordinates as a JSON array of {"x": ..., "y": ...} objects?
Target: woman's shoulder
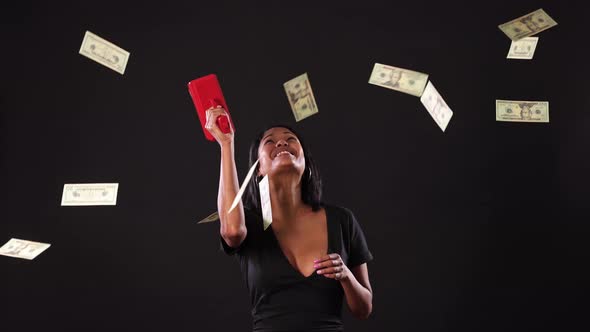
[{"x": 338, "y": 212}]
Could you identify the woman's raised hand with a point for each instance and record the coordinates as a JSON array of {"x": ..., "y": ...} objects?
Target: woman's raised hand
[{"x": 211, "y": 125}]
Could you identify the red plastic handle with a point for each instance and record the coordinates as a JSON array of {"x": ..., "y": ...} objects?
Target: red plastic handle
[
  {"x": 223, "y": 124},
  {"x": 222, "y": 121}
]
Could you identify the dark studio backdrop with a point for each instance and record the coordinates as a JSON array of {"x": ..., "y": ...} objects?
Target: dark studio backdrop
[{"x": 480, "y": 228}]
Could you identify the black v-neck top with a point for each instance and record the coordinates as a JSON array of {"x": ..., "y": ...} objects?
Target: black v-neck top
[{"x": 282, "y": 298}]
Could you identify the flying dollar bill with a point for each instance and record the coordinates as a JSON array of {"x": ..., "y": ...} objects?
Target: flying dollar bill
[
  {"x": 23, "y": 249},
  {"x": 243, "y": 187},
  {"x": 522, "y": 111},
  {"x": 527, "y": 25},
  {"x": 86, "y": 194},
  {"x": 265, "y": 202},
  {"x": 301, "y": 97},
  {"x": 399, "y": 79},
  {"x": 210, "y": 218},
  {"x": 436, "y": 106},
  {"x": 104, "y": 52},
  {"x": 523, "y": 48}
]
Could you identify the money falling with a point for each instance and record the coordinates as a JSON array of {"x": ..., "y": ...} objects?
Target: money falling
[
  {"x": 527, "y": 25},
  {"x": 301, "y": 97},
  {"x": 265, "y": 202},
  {"x": 86, "y": 194},
  {"x": 523, "y": 49},
  {"x": 522, "y": 111},
  {"x": 23, "y": 249},
  {"x": 399, "y": 79},
  {"x": 436, "y": 106},
  {"x": 210, "y": 218},
  {"x": 104, "y": 52},
  {"x": 243, "y": 187}
]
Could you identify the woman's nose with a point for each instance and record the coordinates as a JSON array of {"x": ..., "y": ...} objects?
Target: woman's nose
[{"x": 281, "y": 142}]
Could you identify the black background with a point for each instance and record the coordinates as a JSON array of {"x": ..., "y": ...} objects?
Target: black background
[{"x": 480, "y": 228}]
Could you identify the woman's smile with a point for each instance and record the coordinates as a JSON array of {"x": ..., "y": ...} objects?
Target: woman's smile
[{"x": 284, "y": 153}]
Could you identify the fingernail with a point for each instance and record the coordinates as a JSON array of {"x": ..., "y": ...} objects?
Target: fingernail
[
  {"x": 320, "y": 272},
  {"x": 315, "y": 266}
]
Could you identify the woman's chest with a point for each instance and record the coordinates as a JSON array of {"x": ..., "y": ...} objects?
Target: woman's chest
[
  {"x": 273, "y": 260},
  {"x": 300, "y": 250}
]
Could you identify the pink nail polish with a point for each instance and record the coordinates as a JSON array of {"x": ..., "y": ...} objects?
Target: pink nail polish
[{"x": 319, "y": 271}]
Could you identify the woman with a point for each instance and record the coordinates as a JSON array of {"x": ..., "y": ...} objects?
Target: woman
[{"x": 299, "y": 268}]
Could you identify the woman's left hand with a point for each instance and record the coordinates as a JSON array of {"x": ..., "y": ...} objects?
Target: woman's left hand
[{"x": 331, "y": 266}]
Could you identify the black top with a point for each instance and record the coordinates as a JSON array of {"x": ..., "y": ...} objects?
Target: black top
[{"x": 282, "y": 298}]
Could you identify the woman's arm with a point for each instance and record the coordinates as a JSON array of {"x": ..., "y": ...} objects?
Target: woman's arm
[
  {"x": 357, "y": 289},
  {"x": 358, "y": 292},
  {"x": 232, "y": 225}
]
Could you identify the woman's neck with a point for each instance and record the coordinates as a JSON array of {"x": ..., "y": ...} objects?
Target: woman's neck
[{"x": 285, "y": 198}]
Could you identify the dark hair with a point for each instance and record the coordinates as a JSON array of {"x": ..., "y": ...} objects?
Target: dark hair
[{"x": 311, "y": 183}]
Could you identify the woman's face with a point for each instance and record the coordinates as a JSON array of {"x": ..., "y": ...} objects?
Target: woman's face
[{"x": 280, "y": 152}]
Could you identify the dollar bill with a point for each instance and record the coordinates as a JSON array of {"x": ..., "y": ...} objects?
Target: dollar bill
[
  {"x": 436, "y": 106},
  {"x": 243, "y": 187},
  {"x": 23, "y": 249},
  {"x": 104, "y": 52},
  {"x": 301, "y": 97},
  {"x": 87, "y": 194},
  {"x": 265, "y": 202},
  {"x": 522, "y": 111},
  {"x": 399, "y": 79},
  {"x": 210, "y": 218},
  {"x": 523, "y": 48},
  {"x": 527, "y": 25}
]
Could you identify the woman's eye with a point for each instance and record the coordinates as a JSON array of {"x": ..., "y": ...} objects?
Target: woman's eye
[
  {"x": 291, "y": 138},
  {"x": 268, "y": 141}
]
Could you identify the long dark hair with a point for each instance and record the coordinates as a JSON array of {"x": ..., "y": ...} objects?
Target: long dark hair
[{"x": 311, "y": 183}]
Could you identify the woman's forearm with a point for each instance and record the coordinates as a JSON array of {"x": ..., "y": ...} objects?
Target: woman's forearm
[
  {"x": 233, "y": 227},
  {"x": 358, "y": 298}
]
